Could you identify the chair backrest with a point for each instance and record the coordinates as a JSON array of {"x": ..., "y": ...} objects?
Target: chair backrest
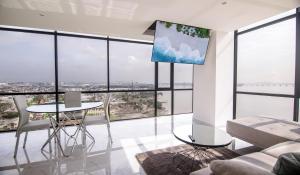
[
  {"x": 21, "y": 105},
  {"x": 106, "y": 106},
  {"x": 72, "y": 99}
]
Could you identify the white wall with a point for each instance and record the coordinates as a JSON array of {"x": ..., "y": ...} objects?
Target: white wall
[
  {"x": 224, "y": 78},
  {"x": 204, "y": 85},
  {"x": 213, "y": 81}
]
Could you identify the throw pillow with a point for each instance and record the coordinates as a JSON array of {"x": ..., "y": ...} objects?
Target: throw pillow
[{"x": 288, "y": 164}]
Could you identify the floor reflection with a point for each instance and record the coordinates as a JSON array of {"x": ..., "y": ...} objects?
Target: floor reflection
[
  {"x": 82, "y": 161},
  {"x": 101, "y": 158}
]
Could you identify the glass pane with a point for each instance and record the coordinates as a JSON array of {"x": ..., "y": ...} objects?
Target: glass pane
[
  {"x": 273, "y": 107},
  {"x": 27, "y": 62},
  {"x": 9, "y": 116},
  {"x": 183, "y": 76},
  {"x": 82, "y": 64},
  {"x": 126, "y": 105},
  {"x": 95, "y": 97},
  {"x": 163, "y": 102},
  {"x": 266, "y": 59},
  {"x": 164, "y": 75},
  {"x": 131, "y": 66},
  {"x": 183, "y": 102}
]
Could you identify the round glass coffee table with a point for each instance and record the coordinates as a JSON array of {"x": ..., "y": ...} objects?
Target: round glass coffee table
[{"x": 201, "y": 137}]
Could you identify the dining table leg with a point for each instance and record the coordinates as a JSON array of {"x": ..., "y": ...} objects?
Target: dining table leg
[
  {"x": 82, "y": 125},
  {"x": 56, "y": 132},
  {"x": 57, "y": 126}
]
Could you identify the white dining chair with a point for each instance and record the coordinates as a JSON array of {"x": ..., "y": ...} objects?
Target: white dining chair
[
  {"x": 25, "y": 125},
  {"x": 101, "y": 119},
  {"x": 72, "y": 99}
]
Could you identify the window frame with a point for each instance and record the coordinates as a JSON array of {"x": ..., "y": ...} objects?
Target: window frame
[
  {"x": 296, "y": 94},
  {"x": 56, "y": 92},
  {"x": 85, "y": 37}
]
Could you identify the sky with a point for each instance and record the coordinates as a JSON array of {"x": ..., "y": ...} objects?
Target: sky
[
  {"x": 82, "y": 60},
  {"x": 27, "y": 57},
  {"x": 268, "y": 54}
]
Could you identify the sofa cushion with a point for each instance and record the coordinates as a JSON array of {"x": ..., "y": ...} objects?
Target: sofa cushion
[
  {"x": 281, "y": 148},
  {"x": 263, "y": 132},
  {"x": 236, "y": 167},
  {"x": 259, "y": 160},
  {"x": 203, "y": 171}
]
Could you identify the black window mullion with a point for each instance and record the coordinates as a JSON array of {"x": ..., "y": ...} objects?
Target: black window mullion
[
  {"x": 297, "y": 68},
  {"x": 235, "y": 45},
  {"x": 155, "y": 87},
  {"x": 296, "y": 110},
  {"x": 56, "y": 75},
  {"x": 172, "y": 87},
  {"x": 108, "y": 70}
]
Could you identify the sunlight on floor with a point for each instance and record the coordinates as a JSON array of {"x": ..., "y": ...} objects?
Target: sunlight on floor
[
  {"x": 129, "y": 138},
  {"x": 131, "y": 150}
]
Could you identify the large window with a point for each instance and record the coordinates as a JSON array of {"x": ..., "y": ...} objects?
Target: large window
[
  {"x": 9, "y": 116},
  {"x": 164, "y": 75},
  {"x": 130, "y": 66},
  {"x": 183, "y": 100},
  {"x": 183, "y": 76},
  {"x": 27, "y": 63},
  {"x": 27, "y": 66},
  {"x": 266, "y": 59},
  {"x": 265, "y": 72},
  {"x": 42, "y": 65},
  {"x": 126, "y": 105},
  {"x": 258, "y": 105},
  {"x": 164, "y": 102},
  {"x": 82, "y": 64},
  {"x": 183, "y": 84}
]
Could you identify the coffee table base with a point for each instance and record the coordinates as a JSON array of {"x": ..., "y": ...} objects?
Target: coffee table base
[{"x": 197, "y": 154}]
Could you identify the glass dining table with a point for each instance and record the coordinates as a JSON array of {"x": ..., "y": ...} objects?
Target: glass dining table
[{"x": 68, "y": 114}]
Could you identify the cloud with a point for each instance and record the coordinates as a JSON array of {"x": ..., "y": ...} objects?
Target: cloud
[{"x": 184, "y": 52}]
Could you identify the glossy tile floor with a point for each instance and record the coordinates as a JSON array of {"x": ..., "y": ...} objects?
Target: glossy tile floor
[{"x": 129, "y": 138}]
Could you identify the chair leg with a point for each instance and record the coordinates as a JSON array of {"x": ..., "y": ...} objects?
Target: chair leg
[
  {"x": 83, "y": 134},
  {"x": 16, "y": 146},
  {"x": 25, "y": 139},
  {"x": 49, "y": 135},
  {"x": 109, "y": 134}
]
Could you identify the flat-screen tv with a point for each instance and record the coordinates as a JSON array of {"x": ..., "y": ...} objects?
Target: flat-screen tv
[{"x": 178, "y": 43}]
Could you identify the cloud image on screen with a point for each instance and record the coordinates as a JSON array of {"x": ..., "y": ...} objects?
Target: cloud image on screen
[{"x": 177, "y": 43}]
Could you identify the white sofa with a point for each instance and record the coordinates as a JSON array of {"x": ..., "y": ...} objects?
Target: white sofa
[
  {"x": 275, "y": 136},
  {"x": 262, "y": 131}
]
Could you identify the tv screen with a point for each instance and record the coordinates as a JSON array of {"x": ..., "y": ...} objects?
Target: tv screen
[{"x": 178, "y": 43}]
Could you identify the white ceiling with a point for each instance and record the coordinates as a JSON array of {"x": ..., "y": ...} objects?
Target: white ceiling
[{"x": 130, "y": 18}]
